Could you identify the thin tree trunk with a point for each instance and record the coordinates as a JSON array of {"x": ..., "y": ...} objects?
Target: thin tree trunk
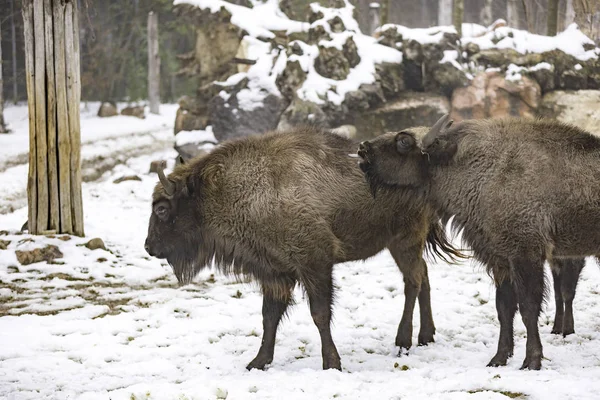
[
  {"x": 486, "y": 13},
  {"x": 569, "y": 13},
  {"x": 445, "y": 12},
  {"x": 587, "y": 17},
  {"x": 512, "y": 14},
  {"x": 14, "y": 52},
  {"x": 153, "y": 64},
  {"x": 552, "y": 26},
  {"x": 458, "y": 11},
  {"x": 2, "y": 123}
]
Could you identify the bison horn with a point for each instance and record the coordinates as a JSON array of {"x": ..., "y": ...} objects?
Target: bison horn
[
  {"x": 438, "y": 128},
  {"x": 167, "y": 184}
]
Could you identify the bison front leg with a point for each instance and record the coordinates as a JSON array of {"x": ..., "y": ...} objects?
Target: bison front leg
[
  {"x": 277, "y": 296},
  {"x": 320, "y": 297},
  {"x": 506, "y": 306},
  {"x": 416, "y": 286}
]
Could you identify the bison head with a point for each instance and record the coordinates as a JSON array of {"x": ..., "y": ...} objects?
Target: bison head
[
  {"x": 403, "y": 158},
  {"x": 173, "y": 231}
]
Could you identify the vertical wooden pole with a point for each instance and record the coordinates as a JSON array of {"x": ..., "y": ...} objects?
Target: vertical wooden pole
[
  {"x": 2, "y": 124},
  {"x": 552, "y": 22},
  {"x": 54, "y": 223},
  {"x": 73, "y": 96},
  {"x": 444, "y": 12},
  {"x": 458, "y": 11},
  {"x": 153, "y": 63},
  {"x": 14, "y": 51},
  {"x": 374, "y": 16},
  {"x": 30, "y": 79},
  {"x": 64, "y": 140},
  {"x": 40, "y": 115}
]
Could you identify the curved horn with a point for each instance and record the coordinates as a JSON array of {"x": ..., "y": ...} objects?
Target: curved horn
[
  {"x": 167, "y": 184},
  {"x": 439, "y": 127}
]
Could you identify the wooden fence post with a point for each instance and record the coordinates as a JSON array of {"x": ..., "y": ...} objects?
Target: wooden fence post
[
  {"x": 153, "y": 64},
  {"x": 53, "y": 94}
]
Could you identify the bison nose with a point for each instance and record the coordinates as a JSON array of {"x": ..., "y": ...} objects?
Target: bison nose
[
  {"x": 147, "y": 248},
  {"x": 363, "y": 148}
]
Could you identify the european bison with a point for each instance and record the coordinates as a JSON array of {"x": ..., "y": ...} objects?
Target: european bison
[
  {"x": 522, "y": 191},
  {"x": 284, "y": 208}
]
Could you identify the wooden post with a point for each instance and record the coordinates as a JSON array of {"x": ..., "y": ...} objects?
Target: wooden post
[
  {"x": 53, "y": 94},
  {"x": 444, "y": 12},
  {"x": 458, "y": 11},
  {"x": 14, "y": 51},
  {"x": 153, "y": 64},
  {"x": 2, "y": 124},
  {"x": 374, "y": 16},
  {"x": 552, "y": 22}
]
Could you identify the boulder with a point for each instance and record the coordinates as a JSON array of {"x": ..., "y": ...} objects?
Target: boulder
[
  {"x": 95, "y": 244},
  {"x": 301, "y": 112},
  {"x": 4, "y": 244},
  {"x": 390, "y": 78},
  {"x": 107, "y": 109},
  {"x": 48, "y": 254},
  {"x": 292, "y": 77},
  {"x": 408, "y": 110},
  {"x": 230, "y": 120},
  {"x": 134, "y": 111},
  {"x": 332, "y": 63},
  {"x": 579, "y": 108},
  {"x": 491, "y": 95}
]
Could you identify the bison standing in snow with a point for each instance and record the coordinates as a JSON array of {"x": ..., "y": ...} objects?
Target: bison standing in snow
[
  {"x": 284, "y": 208},
  {"x": 522, "y": 192}
]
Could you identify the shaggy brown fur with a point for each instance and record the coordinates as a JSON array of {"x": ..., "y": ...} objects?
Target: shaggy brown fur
[
  {"x": 522, "y": 192},
  {"x": 284, "y": 208}
]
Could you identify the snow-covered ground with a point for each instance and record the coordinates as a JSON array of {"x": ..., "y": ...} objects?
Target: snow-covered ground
[{"x": 114, "y": 325}]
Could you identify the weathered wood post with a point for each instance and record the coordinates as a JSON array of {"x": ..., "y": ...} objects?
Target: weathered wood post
[
  {"x": 552, "y": 22},
  {"x": 2, "y": 124},
  {"x": 374, "y": 16},
  {"x": 153, "y": 63},
  {"x": 458, "y": 11},
  {"x": 54, "y": 196}
]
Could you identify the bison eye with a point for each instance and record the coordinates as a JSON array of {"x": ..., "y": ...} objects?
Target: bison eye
[
  {"x": 404, "y": 142},
  {"x": 161, "y": 211}
]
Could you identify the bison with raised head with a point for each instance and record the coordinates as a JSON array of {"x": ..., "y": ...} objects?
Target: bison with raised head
[
  {"x": 284, "y": 208},
  {"x": 521, "y": 191}
]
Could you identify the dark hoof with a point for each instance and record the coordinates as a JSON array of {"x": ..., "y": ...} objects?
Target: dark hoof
[
  {"x": 499, "y": 360},
  {"x": 404, "y": 342},
  {"x": 534, "y": 364},
  {"x": 424, "y": 340},
  {"x": 557, "y": 331},
  {"x": 258, "y": 363},
  {"x": 332, "y": 364},
  {"x": 568, "y": 332}
]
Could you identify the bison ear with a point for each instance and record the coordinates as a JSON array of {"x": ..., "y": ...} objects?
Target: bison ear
[{"x": 180, "y": 160}]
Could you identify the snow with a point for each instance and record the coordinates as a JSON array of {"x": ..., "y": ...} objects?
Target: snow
[
  {"x": 114, "y": 324},
  {"x": 258, "y": 21},
  {"x": 198, "y": 136}
]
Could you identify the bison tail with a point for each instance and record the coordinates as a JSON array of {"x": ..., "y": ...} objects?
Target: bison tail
[{"x": 438, "y": 245}]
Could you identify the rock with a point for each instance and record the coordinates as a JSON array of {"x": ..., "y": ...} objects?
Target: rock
[
  {"x": 472, "y": 49},
  {"x": 390, "y": 78},
  {"x": 445, "y": 78},
  {"x": 408, "y": 110},
  {"x": 95, "y": 243},
  {"x": 316, "y": 33},
  {"x": 134, "y": 111},
  {"x": 332, "y": 63},
  {"x": 107, "y": 109},
  {"x": 127, "y": 178},
  {"x": 336, "y": 24},
  {"x": 188, "y": 121},
  {"x": 229, "y": 120},
  {"x": 156, "y": 165},
  {"x": 544, "y": 77},
  {"x": 573, "y": 80},
  {"x": 292, "y": 77},
  {"x": 490, "y": 95},
  {"x": 389, "y": 37},
  {"x": 48, "y": 254},
  {"x": 351, "y": 52},
  {"x": 579, "y": 108},
  {"x": 302, "y": 112},
  {"x": 4, "y": 244},
  {"x": 347, "y": 131},
  {"x": 367, "y": 96}
]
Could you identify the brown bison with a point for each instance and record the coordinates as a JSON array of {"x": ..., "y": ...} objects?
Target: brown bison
[
  {"x": 284, "y": 208},
  {"x": 522, "y": 192}
]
